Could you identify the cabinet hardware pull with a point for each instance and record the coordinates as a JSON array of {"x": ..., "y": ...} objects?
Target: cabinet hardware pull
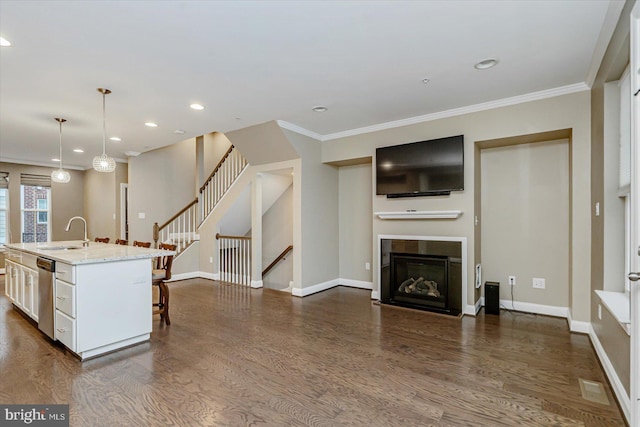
[
  {"x": 61, "y": 297},
  {"x": 61, "y": 330}
]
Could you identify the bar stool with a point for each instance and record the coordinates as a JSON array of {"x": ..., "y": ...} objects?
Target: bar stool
[
  {"x": 121, "y": 242},
  {"x": 159, "y": 277},
  {"x": 142, "y": 244},
  {"x": 102, "y": 239}
]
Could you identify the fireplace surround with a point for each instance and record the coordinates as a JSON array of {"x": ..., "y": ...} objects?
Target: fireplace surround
[{"x": 423, "y": 272}]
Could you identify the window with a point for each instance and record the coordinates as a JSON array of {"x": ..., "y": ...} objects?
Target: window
[
  {"x": 4, "y": 215},
  {"x": 34, "y": 201},
  {"x": 4, "y": 208}
]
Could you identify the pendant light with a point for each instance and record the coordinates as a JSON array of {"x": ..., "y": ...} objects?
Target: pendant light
[
  {"x": 104, "y": 163},
  {"x": 60, "y": 175}
]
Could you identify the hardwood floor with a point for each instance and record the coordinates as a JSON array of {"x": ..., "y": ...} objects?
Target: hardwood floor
[{"x": 234, "y": 356}]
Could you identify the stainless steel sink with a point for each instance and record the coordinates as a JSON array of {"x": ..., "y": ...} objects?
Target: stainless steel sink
[{"x": 59, "y": 248}]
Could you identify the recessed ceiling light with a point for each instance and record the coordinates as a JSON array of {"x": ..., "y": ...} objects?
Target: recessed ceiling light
[
  {"x": 320, "y": 109},
  {"x": 486, "y": 64},
  {"x": 178, "y": 131},
  {"x": 151, "y": 124},
  {"x": 196, "y": 107},
  {"x": 78, "y": 150},
  {"x": 115, "y": 138},
  {"x": 55, "y": 160},
  {"x": 132, "y": 153},
  {"x": 4, "y": 42},
  {"x": 425, "y": 81}
]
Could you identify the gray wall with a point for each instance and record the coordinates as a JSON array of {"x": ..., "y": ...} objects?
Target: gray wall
[
  {"x": 277, "y": 234},
  {"x": 615, "y": 341},
  {"x": 571, "y": 111},
  {"x": 67, "y": 200},
  {"x": 356, "y": 221},
  {"x": 525, "y": 213},
  {"x": 101, "y": 201},
  {"x": 613, "y": 254},
  {"x": 319, "y": 213},
  {"x": 263, "y": 144},
  {"x": 161, "y": 182}
]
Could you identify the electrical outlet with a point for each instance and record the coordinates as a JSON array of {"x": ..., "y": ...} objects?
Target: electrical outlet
[
  {"x": 599, "y": 312},
  {"x": 367, "y": 266},
  {"x": 538, "y": 283},
  {"x": 512, "y": 280},
  {"x": 210, "y": 260}
]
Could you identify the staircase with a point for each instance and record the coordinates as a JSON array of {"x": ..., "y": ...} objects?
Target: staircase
[{"x": 182, "y": 228}]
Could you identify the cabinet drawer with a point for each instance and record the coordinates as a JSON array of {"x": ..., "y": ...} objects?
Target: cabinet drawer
[
  {"x": 66, "y": 272},
  {"x": 29, "y": 260},
  {"x": 14, "y": 255},
  {"x": 66, "y": 298},
  {"x": 65, "y": 330}
]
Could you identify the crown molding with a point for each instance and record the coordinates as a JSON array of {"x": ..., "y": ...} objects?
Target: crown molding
[
  {"x": 505, "y": 102},
  {"x": 49, "y": 165},
  {"x": 35, "y": 163},
  {"x": 300, "y": 130}
]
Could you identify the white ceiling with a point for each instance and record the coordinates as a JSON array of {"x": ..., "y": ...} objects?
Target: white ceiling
[{"x": 251, "y": 62}]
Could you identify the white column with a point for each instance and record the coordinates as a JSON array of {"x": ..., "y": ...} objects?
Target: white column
[{"x": 256, "y": 231}]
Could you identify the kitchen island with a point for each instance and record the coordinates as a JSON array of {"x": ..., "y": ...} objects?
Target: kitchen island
[{"x": 99, "y": 296}]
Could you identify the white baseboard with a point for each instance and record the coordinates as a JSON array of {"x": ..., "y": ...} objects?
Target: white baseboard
[
  {"x": 616, "y": 384},
  {"x": 577, "y": 325},
  {"x": 474, "y": 309},
  {"x": 193, "y": 275},
  {"x": 375, "y": 295},
  {"x": 360, "y": 284},
  {"x": 308, "y": 290},
  {"x": 528, "y": 307},
  {"x": 256, "y": 284},
  {"x": 185, "y": 276}
]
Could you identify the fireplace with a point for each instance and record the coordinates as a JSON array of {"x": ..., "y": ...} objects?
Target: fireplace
[{"x": 422, "y": 274}]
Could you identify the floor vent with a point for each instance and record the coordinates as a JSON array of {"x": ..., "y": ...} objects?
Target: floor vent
[{"x": 593, "y": 391}]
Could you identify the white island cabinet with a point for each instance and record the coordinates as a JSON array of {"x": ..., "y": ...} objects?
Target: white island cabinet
[{"x": 101, "y": 293}]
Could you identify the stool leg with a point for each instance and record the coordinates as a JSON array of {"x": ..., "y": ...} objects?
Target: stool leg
[{"x": 165, "y": 303}]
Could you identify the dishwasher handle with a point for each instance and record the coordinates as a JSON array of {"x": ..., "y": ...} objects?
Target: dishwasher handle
[{"x": 46, "y": 264}]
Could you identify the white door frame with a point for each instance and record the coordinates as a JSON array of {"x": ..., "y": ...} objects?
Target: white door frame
[
  {"x": 634, "y": 198},
  {"x": 124, "y": 195}
]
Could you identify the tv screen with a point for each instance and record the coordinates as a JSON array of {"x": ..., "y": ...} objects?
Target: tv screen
[{"x": 421, "y": 168}]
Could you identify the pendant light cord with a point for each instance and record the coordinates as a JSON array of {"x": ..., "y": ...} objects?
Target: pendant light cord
[
  {"x": 104, "y": 125},
  {"x": 60, "y": 145}
]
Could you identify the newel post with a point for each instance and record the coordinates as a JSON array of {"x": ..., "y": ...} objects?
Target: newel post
[{"x": 156, "y": 234}]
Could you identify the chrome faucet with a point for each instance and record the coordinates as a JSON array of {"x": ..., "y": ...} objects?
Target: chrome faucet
[{"x": 85, "y": 242}]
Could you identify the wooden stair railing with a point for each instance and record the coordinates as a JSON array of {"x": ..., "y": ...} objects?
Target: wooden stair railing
[
  {"x": 181, "y": 229},
  {"x": 277, "y": 260},
  {"x": 223, "y": 176},
  {"x": 234, "y": 259}
]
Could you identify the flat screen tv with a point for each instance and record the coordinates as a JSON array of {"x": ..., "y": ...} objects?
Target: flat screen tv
[{"x": 425, "y": 168}]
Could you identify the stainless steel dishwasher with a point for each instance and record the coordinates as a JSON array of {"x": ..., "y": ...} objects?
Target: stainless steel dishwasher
[{"x": 46, "y": 310}]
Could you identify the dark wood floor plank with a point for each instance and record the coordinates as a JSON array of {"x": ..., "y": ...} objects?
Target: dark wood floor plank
[{"x": 235, "y": 356}]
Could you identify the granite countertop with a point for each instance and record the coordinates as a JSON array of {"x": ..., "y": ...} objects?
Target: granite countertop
[{"x": 72, "y": 252}]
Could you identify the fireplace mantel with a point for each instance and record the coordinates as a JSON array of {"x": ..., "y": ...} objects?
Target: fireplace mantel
[{"x": 410, "y": 214}]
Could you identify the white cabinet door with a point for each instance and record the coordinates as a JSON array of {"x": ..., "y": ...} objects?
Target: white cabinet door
[
  {"x": 9, "y": 280},
  {"x": 30, "y": 293},
  {"x": 18, "y": 288}
]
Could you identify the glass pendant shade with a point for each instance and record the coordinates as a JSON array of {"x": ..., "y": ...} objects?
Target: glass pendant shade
[
  {"x": 61, "y": 176},
  {"x": 104, "y": 163}
]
